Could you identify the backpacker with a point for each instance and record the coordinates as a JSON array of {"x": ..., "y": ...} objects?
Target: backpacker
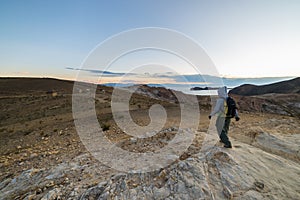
[{"x": 231, "y": 107}]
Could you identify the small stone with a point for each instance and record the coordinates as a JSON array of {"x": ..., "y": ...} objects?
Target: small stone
[
  {"x": 163, "y": 175},
  {"x": 30, "y": 197},
  {"x": 182, "y": 165},
  {"x": 259, "y": 185},
  {"x": 133, "y": 139},
  {"x": 160, "y": 193},
  {"x": 118, "y": 176},
  {"x": 52, "y": 194},
  {"x": 24, "y": 154},
  {"x": 33, "y": 155},
  {"x": 73, "y": 193},
  {"x": 39, "y": 191},
  {"x": 102, "y": 184},
  {"x": 50, "y": 184},
  {"x": 190, "y": 159},
  {"x": 227, "y": 193}
]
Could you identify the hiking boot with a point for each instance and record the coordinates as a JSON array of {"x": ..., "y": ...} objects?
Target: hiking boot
[{"x": 227, "y": 146}]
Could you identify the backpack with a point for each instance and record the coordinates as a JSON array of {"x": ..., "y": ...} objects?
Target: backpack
[{"x": 231, "y": 107}]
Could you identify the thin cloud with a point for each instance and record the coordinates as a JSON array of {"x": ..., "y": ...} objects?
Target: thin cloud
[{"x": 99, "y": 72}]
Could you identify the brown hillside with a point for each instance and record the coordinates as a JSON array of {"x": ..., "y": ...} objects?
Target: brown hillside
[
  {"x": 284, "y": 87},
  {"x": 10, "y": 86}
]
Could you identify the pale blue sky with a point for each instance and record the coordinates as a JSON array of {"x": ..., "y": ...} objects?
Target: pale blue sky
[{"x": 243, "y": 38}]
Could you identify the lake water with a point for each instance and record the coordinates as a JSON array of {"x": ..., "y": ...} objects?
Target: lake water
[{"x": 229, "y": 82}]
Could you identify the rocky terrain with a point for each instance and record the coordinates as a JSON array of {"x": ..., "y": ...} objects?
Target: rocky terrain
[
  {"x": 279, "y": 98},
  {"x": 42, "y": 157}
]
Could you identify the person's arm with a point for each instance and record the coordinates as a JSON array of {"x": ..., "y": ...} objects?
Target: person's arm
[
  {"x": 237, "y": 118},
  {"x": 217, "y": 108}
]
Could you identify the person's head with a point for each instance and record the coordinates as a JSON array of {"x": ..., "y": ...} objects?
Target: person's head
[{"x": 222, "y": 92}]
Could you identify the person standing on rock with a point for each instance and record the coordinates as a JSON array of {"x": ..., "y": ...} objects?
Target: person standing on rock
[{"x": 223, "y": 119}]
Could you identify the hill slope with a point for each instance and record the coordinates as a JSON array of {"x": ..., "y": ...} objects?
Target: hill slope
[
  {"x": 9, "y": 86},
  {"x": 284, "y": 87}
]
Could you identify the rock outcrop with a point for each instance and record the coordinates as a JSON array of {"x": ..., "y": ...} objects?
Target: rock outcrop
[{"x": 246, "y": 172}]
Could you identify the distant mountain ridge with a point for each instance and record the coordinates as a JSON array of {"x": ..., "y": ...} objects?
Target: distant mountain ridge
[{"x": 283, "y": 87}]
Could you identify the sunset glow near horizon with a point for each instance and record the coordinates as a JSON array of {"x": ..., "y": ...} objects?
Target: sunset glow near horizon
[{"x": 243, "y": 38}]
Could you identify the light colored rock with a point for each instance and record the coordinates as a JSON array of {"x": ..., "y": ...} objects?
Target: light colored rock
[
  {"x": 52, "y": 194},
  {"x": 252, "y": 195},
  {"x": 227, "y": 193},
  {"x": 275, "y": 145},
  {"x": 244, "y": 172},
  {"x": 217, "y": 174},
  {"x": 30, "y": 197},
  {"x": 161, "y": 193},
  {"x": 33, "y": 155}
]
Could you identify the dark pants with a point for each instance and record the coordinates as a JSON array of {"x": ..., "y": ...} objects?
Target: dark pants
[{"x": 222, "y": 125}]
